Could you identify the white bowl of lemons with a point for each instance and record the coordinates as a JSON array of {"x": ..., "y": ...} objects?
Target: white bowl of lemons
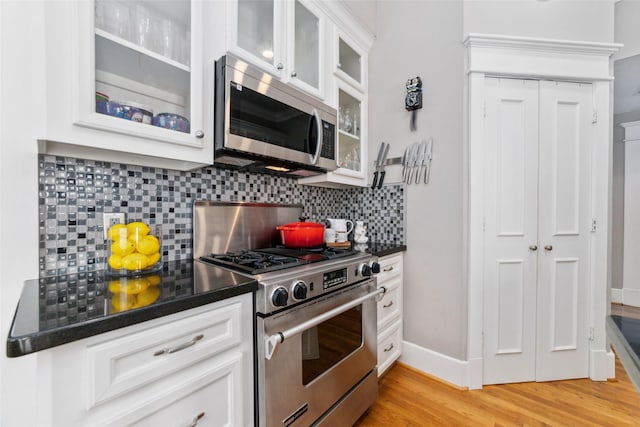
[{"x": 134, "y": 249}]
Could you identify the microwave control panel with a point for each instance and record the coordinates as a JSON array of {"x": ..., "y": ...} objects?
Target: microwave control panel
[{"x": 328, "y": 141}]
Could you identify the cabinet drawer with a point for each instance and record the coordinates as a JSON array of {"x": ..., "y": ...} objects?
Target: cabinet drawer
[
  {"x": 211, "y": 400},
  {"x": 121, "y": 365},
  {"x": 389, "y": 346},
  {"x": 390, "y": 306},
  {"x": 390, "y": 266}
]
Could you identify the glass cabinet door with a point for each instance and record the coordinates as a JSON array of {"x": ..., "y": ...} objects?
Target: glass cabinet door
[
  {"x": 255, "y": 28},
  {"x": 306, "y": 46},
  {"x": 349, "y": 61},
  {"x": 143, "y": 63},
  {"x": 349, "y": 141}
]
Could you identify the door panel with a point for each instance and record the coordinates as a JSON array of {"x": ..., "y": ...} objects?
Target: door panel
[
  {"x": 564, "y": 229},
  {"x": 511, "y": 180}
]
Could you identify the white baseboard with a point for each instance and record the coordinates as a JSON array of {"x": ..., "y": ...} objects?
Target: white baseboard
[
  {"x": 602, "y": 365},
  {"x": 446, "y": 368},
  {"x": 631, "y": 297},
  {"x": 616, "y": 295}
]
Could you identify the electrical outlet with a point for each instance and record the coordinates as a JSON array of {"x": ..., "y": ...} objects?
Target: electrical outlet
[{"x": 111, "y": 218}]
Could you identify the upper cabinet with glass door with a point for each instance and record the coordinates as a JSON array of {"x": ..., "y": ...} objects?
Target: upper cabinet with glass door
[
  {"x": 349, "y": 66},
  {"x": 285, "y": 38},
  {"x": 140, "y": 74}
]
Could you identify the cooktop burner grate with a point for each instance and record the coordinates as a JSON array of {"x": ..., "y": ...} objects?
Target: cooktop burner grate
[{"x": 253, "y": 262}]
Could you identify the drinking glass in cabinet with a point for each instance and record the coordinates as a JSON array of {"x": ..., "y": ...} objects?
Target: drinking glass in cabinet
[{"x": 114, "y": 17}]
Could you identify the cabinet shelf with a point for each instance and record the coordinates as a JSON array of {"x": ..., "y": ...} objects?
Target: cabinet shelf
[
  {"x": 141, "y": 50},
  {"x": 349, "y": 135},
  {"x": 123, "y": 58}
]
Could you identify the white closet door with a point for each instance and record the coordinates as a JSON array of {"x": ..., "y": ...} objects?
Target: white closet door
[
  {"x": 566, "y": 111},
  {"x": 511, "y": 204}
]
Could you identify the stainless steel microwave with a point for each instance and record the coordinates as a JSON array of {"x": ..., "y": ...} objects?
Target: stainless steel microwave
[{"x": 264, "y": 125}]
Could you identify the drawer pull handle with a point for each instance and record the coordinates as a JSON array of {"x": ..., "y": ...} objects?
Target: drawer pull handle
[
  {"x": 197, "y": 418},
  {"x": 388, "y": 268},
  {"x": 388, "y": 305},
  {"x": 389, "y": 348},
  {"x": 179, "y": 347}
]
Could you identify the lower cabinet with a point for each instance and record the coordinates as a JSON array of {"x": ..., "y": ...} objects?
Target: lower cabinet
[
  {"x": 189, "y": 368},
  {"x": 390, "y": 312}
]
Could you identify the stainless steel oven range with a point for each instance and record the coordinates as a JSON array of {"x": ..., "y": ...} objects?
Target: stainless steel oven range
[{"x": 315, "y": 315}]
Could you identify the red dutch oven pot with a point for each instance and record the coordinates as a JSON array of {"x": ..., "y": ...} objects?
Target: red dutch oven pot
[{"x": 302, "y": 234}]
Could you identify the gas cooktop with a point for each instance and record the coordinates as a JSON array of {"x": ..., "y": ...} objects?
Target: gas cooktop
[{"x": 272, "y": 259}]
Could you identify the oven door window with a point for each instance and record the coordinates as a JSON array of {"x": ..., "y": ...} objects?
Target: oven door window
[
  {"x": 258, "y": 117},
  {"x": 325, "y": 345}
]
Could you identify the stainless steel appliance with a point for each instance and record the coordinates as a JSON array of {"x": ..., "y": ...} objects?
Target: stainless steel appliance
[
  {"x": 315, "y": 314},
  {"x": 265, "y": 125}
]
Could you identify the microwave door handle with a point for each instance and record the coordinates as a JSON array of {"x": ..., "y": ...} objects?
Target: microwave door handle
[
  {"x": 316, "y": 117},
  {"x": 271, "y": 342}
]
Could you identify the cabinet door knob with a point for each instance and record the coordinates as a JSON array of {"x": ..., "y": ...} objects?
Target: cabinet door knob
[
  {"x": 294, "y": 74},
  {"x": 548, "y": 248},
  {"x": 533, "y": 248},
  {"x": 279, "y": 66},
  {"x": 199, "y": 134}
]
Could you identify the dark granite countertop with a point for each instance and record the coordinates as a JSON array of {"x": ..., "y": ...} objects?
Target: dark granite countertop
[
  {"x": 382, "y": 249},
  {"x": 58, "y": 310},
  {"x": 624, "y": 333}
]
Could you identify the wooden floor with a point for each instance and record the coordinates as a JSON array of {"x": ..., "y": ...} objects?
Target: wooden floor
[{"x": 409, "y": 398}]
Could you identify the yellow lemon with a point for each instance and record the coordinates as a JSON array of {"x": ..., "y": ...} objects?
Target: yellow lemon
[
  {"x": 154, "y": 279},
  {"x": 122, "y": 247},
  {"x": 115, "y": 262},
  {"x": 115, "y": 231},
  {"x": 135, "y": 261},
  {"x": 148, "y": 245},
  {"x": 138, "y": 228},
  {"x": 123, "y": 302},
  {"x": 148, "y": 296},
  {"x": 153, "y": 258}
]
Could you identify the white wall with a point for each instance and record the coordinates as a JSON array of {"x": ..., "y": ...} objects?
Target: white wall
[
  {"x": 364, "y": 11},
  {"x": 423, "y": 39},
  {"x": 589, "y": 20},
  {"x": 22, "y": 116},
  {"x": 626, "y": 109},
  {"x": 627, "y": 28}
]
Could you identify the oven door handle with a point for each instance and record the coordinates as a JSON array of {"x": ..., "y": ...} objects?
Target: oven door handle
[{"x": 271, "y": 342}]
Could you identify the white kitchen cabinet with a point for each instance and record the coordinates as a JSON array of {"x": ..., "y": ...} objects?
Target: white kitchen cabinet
[
  {"x": 350, "y": 93},
  {"x": 390, "y": 311},
  {"x": 193, "y": 365},
  {"x": 285, "y": 38},
  {"x": 155, "y": 54}
]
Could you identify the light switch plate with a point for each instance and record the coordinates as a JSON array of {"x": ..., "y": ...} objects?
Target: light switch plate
[{"x": 111, "y": 218}]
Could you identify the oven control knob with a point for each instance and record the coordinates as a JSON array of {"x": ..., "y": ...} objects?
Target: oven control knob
[
  {"x": 299, "y": 290},
  {"x": 365, "y": 270},
  {"x": 375, "y": 267},
  {"x": 279, "y": 297}
]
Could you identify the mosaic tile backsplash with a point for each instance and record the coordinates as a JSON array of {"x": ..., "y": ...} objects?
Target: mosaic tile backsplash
[{"x": 74, "y": 193}]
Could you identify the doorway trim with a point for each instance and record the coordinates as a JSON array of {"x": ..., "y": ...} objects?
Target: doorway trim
[{"x": 540, "y": 59}]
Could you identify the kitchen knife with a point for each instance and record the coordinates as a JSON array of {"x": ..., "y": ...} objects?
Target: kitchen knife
[
  {"x": 422, "y": 148},
  {"x": 382, "y": 165},
  {"x": 405, "y": 157},
  {"x": 413, "y": 162},
  {"x": 409, "y": 156},
  {"x": 378, "y": 163},
  {"x": 428, "y": 158}
]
